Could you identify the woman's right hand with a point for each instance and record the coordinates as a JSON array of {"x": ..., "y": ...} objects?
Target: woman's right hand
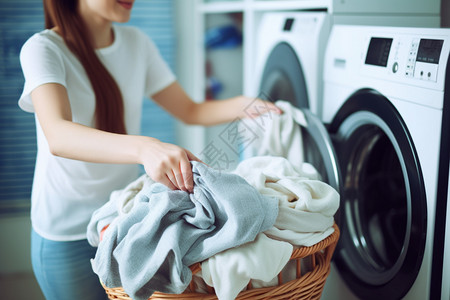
[{"x": 168, "y": 164}]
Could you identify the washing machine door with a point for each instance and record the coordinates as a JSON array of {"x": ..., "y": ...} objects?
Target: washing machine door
[
  {"x": 383, "y": 209},
  {"x": 283, "y": 77},
  {"x": 318, "y": 150}
]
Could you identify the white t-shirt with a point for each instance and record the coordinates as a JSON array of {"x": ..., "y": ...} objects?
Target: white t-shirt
[{"x": 66, "y": 192}]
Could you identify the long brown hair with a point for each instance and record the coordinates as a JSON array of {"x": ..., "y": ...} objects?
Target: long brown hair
[{"x": 109, "y": 108}]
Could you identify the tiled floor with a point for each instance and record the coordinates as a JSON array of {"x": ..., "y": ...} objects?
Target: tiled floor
[{"x": 21, "y": 286}]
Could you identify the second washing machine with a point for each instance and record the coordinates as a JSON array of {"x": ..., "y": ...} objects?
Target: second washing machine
[{"x": 289, "y": 57}]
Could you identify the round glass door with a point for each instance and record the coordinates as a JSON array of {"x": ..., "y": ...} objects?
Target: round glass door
[
  {"x": 283, "y": 77},
  {"x": 383, "y": 208}
]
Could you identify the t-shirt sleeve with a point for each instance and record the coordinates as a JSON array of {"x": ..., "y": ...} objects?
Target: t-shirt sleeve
[
  {"x": 41, "y": 63},
  {"x": 159, "y": 74}
]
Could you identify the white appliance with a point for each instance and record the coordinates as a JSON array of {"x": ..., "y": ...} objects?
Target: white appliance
[
  {"x": 289, "y": 47},
  {"x": 289, "y": 57},
  {"x": 386, "y": 94}
]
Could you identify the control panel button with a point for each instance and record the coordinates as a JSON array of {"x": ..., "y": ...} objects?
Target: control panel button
[{"x": 395, "y": 67}]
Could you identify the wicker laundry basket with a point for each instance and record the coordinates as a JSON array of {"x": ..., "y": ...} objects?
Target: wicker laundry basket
[{"x": 307, "y": 285}]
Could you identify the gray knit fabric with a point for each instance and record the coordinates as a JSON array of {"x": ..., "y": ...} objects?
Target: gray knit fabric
[{"x": 151, "y": 248}]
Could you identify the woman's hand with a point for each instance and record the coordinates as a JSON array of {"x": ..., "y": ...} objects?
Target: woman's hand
[
  {"x": 255, "y": 107},
  {"x": 168, "y": 164}
]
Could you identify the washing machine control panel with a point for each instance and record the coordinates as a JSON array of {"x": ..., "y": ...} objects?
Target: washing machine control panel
[
  {"x": 423, "y": 59},
  {"x": 384, "y": 57},
  {"x": 409, "y": 56}
]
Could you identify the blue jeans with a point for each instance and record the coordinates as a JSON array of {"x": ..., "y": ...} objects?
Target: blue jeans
[{"x": 63, "y": 269}]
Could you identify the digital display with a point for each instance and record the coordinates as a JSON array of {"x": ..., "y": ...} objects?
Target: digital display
[
  {"x": 429, "y": 51},
  {"x": 288, "y": 24},
  {"x": 378, "y": 51}
]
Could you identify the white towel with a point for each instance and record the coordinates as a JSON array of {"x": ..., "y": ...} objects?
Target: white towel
[
  {"x": 306, "y": 204},
  {"x": 231, "y": 270},
  {"x": 126, "y": 198},
  {"x": 275, "y": 135}
]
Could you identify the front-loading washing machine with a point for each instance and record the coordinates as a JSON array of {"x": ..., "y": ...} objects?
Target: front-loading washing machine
[
  {"x": 289, "y": 50},
  {"x": 288, "y": 64},
  {"x": 387, "y": 106},
  {"x": 289, "y": 57}
]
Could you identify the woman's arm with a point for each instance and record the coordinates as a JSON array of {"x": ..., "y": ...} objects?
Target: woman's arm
[
  {"x": 165, "y": 163},
  {"x": 178, "y": 103}
]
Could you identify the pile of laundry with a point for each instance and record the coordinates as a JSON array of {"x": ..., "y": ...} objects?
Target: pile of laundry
[{"x": 241, "y": 225}]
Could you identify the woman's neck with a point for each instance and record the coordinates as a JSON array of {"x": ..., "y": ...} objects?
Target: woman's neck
[
  {"x": 102, "y": 36},
  {"x": 100, "y": 29}
]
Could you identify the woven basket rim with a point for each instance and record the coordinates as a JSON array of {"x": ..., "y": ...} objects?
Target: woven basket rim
[
  {"x": 307, "y": 286},
  {"x": 297, "y": 253}
]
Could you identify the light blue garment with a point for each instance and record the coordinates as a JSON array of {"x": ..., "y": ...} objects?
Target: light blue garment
[
  {"x": 63, "y": 269},
  {"x": 152, "y": 247}
]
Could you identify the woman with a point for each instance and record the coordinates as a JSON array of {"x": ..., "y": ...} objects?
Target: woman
[{"x": 85, "y": 79}]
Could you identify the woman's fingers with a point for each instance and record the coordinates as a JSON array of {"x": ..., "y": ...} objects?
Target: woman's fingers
[
  {"x": 175, "y": 177},
  {"x": 187, "y": 178},
  {"x": 170, "y": 165},
  {"x": 178, "y": 179},
  {"x": 260, "y": 107},
  {"x": 169, "y": 182},
  {"x": 272, "y": 107},
  {"x": 192, "y": 156},
  {"x": 182, "y": 172},
  {"x": 178, "y": 171}
]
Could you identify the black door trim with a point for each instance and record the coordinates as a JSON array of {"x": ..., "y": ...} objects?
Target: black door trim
[{"x": 375, "y": 103}]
